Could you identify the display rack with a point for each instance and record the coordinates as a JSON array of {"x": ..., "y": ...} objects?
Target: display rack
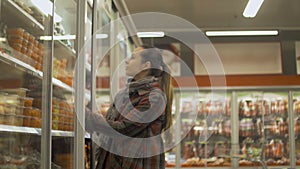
[
  {"x": 271, "y": 93},
  {"x": 31, "y": 130},
  {"x": 12, "y": 61},
  {"x": 15, "y": 10},
  {"x": 32, "y": 71},
  {"x": 37, "y": 131},
  {"x": 30, "y": 23}
]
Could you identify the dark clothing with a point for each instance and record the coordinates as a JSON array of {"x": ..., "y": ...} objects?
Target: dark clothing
[{"x": 128, "y": 115}]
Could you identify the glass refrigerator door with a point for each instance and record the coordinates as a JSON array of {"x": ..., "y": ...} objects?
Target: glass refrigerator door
[
  {"x": 22, "y": 53},
  {"x": 276, "y": 133},
  {"x": 296, "y": 111},
  {"x": 263, "y": 128},
  {"x": 64, "y": 58},
  {"x": 207, "y": 142},
  {"x": 250, "y": 113}
]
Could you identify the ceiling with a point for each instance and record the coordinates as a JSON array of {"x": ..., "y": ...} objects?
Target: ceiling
[
  {"x": 282, "y": 15},
  {"x": 225, "y": 14}
]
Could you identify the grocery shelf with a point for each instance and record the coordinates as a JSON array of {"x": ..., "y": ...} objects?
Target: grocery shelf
[
  {"x": 62, "y": 85},
  {"x": 33, "y": 26},
  {"x": 64, "y": 50},
  {"x": 58, "y": 133},
  {"x": 31, "y": 70},
  {"x": 19, "y": 64},
  {"x": 13, "y": 9},
  {"x": 37, "y": 131},
  {"x": 17, "y": 129}
]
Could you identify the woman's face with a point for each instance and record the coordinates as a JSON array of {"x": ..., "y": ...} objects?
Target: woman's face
[{"x": 134, "y": 64}]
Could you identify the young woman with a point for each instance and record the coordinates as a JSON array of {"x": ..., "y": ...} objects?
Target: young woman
[{"x": 131, "y": 129}]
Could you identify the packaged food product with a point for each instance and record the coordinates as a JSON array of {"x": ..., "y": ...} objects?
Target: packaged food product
[
  {"x": 31, "y": 39},
  {"x": 38, "y": 66},
  {"x": 41, "y": 46},
  {"x": 61, "y": 117},
  {"x": 30, "y": 46},
  {"x": 9, "y": 119},
  {"x": 17, "y": 47},
  {"x": 35, "y": 112},
  {"x": 37, "y": 102},
  {"x": 28, "y": 101},
  {"x": 18, "y": 121},
  {"x": 9, "y": 109},
  {"x": 29, "y": 52},
  {"x": 55, "y": 109},
  {"x": 35, "y": 49},
  {"x": 27, "y": 121},
  {"x": 24, "y": 42},
  {"x": 12, "y": 100},
  {"x": 27, "y": 111},
  {"x": 35, "y": 122},
  {"x": 54, "y": 125},
  {"x": 36, "y": 43},
  {"x": 35, "y": 57},
  {"x": 2, "y": 119},
  {"x": 66, "y": 127},
  {"x": 15, "y": 40},
  {"x": 23, "y": 49},
  {"x": 19, "y": 110},
  {"x": 18, "y": 91},
  {"x": 2, "y": 109},
  {"x": 15, "y": 31},
  {"x": 69, "y": 119},
  {"x": 26, "y": 36},
  {"x": 55, "y": 117},
  {"x": 60, "y": 126}
]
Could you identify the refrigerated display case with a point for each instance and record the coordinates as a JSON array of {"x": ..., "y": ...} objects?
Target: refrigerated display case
[
  {"x": 207, "y": 142},
  {"x": 37, "y": 101},
  {"x": 296, "y": 110},
  {"x": 263, "y": 127},
  {"x": 263, "y": 132},
  {"x": 40, "y": 82}
]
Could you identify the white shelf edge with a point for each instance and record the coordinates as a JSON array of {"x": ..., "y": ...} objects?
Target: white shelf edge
[
  {"x": 62, "y": 133},
  {"x": 31, "y": 130},
  {"x": 71, "y": 50},
  {"x": 21, "y": 64},
  {"x": 18, "y": 129},
  {"x": 35, "y": 71},
  {"x": 31, "y": 18},
  {"x": 62, "y": 85}
]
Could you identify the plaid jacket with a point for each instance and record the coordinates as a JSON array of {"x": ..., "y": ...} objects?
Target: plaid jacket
[{"x": 124, "y": 116}]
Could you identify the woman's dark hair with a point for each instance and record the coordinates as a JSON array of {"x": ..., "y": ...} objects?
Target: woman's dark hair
[{"x": 160, "y": 69}]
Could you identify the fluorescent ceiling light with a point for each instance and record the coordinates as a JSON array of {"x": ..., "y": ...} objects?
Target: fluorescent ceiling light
[
  {"x": 252, "y": 8},
  {"x": 150, "y": 34},
  {"x": 242, "y": 33},
  {"x": 62, "y": 37},
  {"x": 101, "y": 36}
]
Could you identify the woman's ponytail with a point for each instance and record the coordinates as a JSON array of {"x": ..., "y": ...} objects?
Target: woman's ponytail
[{"x": 166, "y": 83}]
